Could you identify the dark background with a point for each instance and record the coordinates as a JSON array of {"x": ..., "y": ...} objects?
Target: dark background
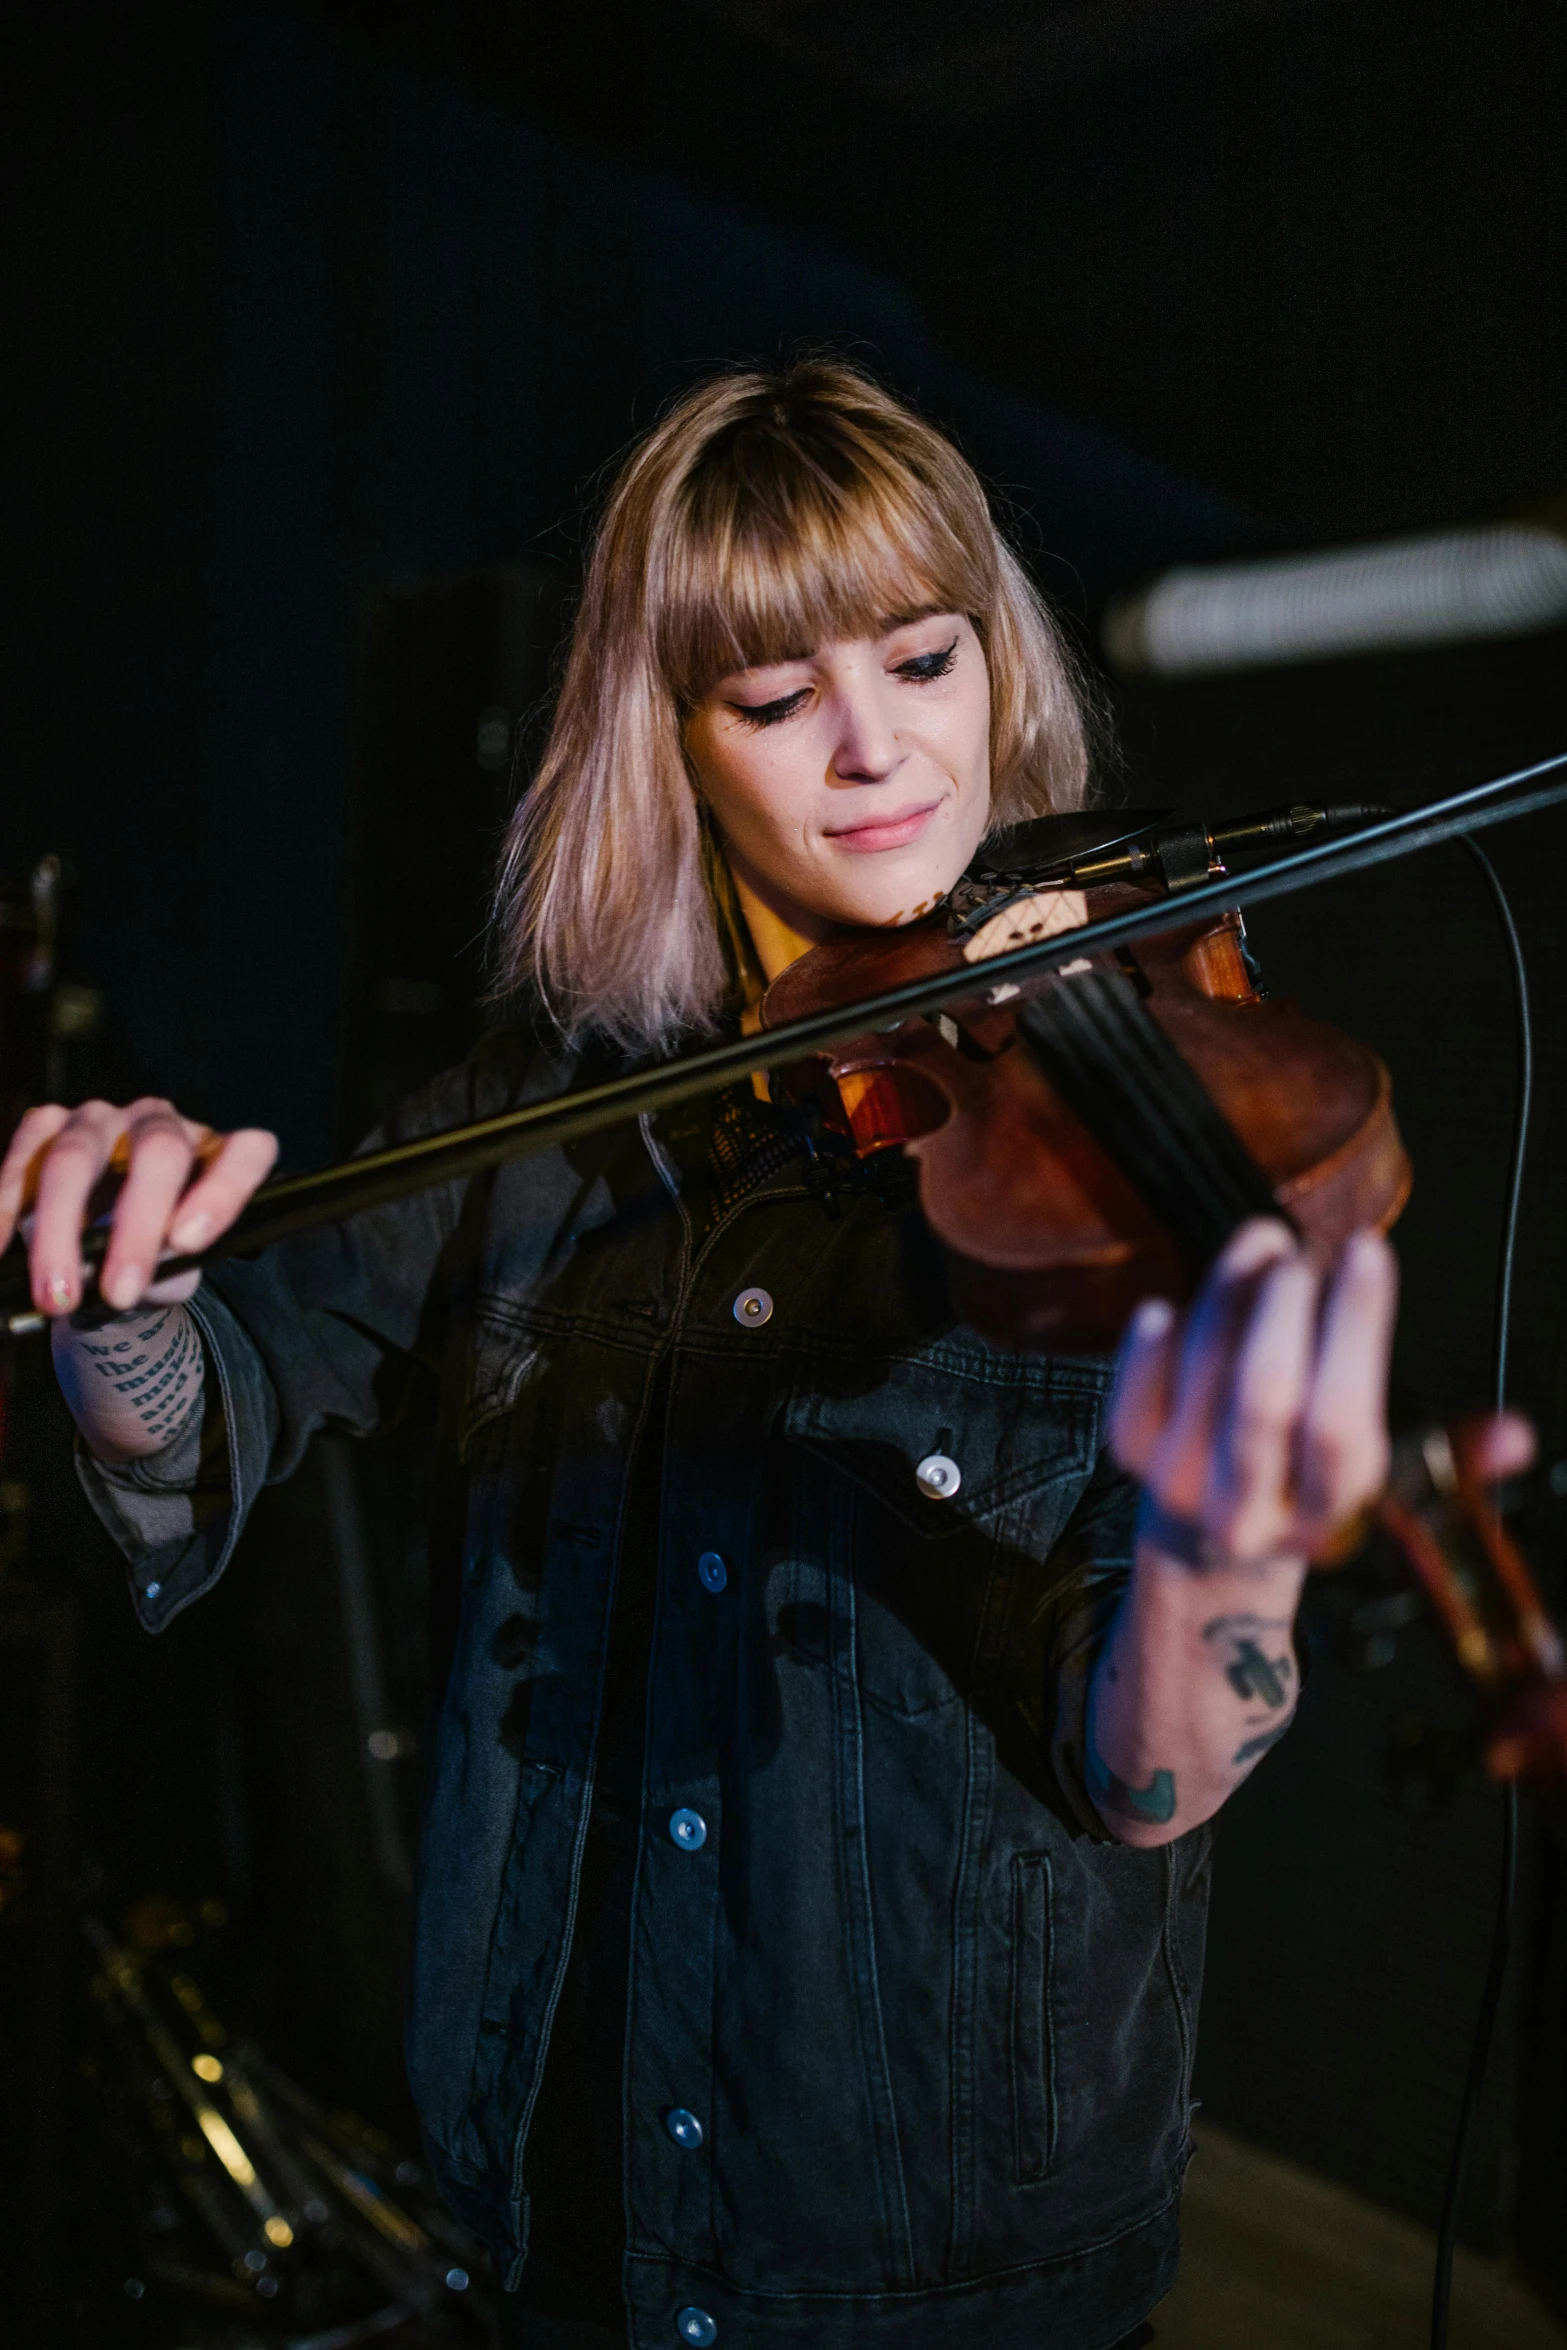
[{"x": 324, "y": 326}]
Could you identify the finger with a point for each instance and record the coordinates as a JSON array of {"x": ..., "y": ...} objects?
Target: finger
[
  {"x": 1248, "y": 1504},
  {"x": 1144, "y": 1382},
  {"x": 35, "y": 1130},
  {"x": 1178, "y": 1468},
  {"x": 215, "y": 1199},
  {"x": 75, "y": 1160},
  {"x": 159, "y": 1162},
  {"x": 1343, "y": 1455},
  {"x": 173, "y": 1292}
]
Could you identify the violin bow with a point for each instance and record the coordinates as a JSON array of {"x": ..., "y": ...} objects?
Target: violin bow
[{"x": 293, "y": 1205}]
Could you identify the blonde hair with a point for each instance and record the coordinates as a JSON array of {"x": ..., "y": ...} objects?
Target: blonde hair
[{"x": 766, "y": 514}]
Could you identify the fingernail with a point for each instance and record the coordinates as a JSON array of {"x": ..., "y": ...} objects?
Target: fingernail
[
  {"x": 192, "y": 1230},
  {"x": 1153, "y": 1317},
  {"x": 59, "y": 1292},
  {"x": 126, "y": 1287}
]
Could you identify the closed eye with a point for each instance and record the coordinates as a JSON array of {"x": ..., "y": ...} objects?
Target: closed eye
[
  {"x": 759, "y": 714},
  {"x": 923, "y": 668}
]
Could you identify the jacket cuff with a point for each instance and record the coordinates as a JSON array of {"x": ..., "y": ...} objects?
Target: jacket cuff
[{"x": 177, "y": 1516}]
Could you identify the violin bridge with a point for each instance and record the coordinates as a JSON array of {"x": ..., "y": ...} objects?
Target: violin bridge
[{"x": 1023, "y": 922}]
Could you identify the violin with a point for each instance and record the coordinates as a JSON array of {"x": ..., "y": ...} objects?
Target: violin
[{"x": 1091, "y": 1135}]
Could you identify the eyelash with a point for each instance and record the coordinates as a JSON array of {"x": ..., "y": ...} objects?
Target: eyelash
[{"x": 919, "y": 669}]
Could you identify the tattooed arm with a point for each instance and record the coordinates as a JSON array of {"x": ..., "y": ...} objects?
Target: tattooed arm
[
  {"x": 1255, "y": 1425},
  {"x": 133, "y": 1385},
  {"x": 1184, "y": 1704}
]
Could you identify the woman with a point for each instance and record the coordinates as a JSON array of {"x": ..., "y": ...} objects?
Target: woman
[{"x": 813, "y": 1882}]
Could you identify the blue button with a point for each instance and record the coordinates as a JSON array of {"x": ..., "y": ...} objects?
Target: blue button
[
  {"x": 684, "y": 2128},
  {"x": 688, "y": 1829},
  {"x": 695, "y": 2326},
  {"x": 712, "y": 1570}
]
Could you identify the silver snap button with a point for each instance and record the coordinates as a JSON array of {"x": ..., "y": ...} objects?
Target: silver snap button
[
  {"x": 752, "y": 1308},
  {"x": 938, "y": 1477},
  {"x": 683, "y": 2127},
  {"x": 688, "y": 1829},
  {"x": 693, "y": 2325},
  {"x": 712, "y": 1571}
]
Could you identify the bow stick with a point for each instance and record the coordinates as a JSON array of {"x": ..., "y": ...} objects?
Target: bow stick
[{"x": 297, "y": 1204}]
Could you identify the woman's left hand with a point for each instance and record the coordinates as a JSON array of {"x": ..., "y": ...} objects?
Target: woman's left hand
[{"x": 1257, "y": 1421}]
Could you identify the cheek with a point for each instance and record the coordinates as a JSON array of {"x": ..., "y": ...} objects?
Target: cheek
[
  {"x": 953, "y": 728},
  {"x": 971, "y": 729},
  {"x": 757, "y": 789}
]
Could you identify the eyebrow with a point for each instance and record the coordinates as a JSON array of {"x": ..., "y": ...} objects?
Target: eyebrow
[{"x": 896, "y": 620}]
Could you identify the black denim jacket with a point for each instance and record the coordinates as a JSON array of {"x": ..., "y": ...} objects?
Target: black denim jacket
[{"x": 909, "y": 2037}]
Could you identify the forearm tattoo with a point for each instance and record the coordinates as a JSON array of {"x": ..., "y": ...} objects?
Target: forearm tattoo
[
  {"x": 156, "y": 1371},
  {"x": 1256, "y": 1656},
  {"x": 1155, "y": 1802}
]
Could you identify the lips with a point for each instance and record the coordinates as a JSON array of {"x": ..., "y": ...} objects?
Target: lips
[{"x": 894, "y": 831}]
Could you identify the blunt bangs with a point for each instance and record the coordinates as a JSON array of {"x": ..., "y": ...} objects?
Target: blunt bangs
[{"x": 798, "y": 538}]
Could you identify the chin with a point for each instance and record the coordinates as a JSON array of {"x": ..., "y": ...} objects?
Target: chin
[
  {"x": 898, "y": 886},
  {"x": 895, "y": 901}
]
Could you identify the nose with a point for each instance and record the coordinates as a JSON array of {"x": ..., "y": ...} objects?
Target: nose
[{"x": 867, "y": 748}]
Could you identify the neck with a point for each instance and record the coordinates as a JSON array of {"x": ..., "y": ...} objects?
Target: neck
[{"x": 778, "y": 937}]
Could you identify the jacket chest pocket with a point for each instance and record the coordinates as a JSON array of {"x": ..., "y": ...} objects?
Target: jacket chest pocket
[
  {"x": 923, "y": 1496},
  {"x": 504, "y": 1362}
]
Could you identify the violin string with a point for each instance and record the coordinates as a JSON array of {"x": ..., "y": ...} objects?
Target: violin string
[
  {"x": 1109, "y": 1059},
  {"x": 1507, "y": 1875}
]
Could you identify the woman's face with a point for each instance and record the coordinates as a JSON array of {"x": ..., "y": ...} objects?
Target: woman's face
[{"x": 851, "y": 785}]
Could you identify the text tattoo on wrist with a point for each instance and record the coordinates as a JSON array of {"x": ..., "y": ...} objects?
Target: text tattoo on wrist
[{"x": 161, "y": 1386}]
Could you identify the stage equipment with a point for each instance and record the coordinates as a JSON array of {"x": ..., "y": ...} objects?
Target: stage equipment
[
  {"x": 1441, "y": 588},
  {"x": 241, "y": 2209}
]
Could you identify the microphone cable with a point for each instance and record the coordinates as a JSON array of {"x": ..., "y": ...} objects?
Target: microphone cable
[{"x": 1507, "y": 1882}]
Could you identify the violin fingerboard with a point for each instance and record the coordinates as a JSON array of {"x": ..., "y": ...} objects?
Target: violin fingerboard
[{"x": 1112, "y": 1063}]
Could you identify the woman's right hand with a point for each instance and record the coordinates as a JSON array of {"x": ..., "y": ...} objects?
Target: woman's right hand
[{"x": 58, "y": 1157}]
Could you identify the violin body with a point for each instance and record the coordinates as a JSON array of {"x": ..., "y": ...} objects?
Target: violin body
[{"x": 1051, "y": 1240}]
